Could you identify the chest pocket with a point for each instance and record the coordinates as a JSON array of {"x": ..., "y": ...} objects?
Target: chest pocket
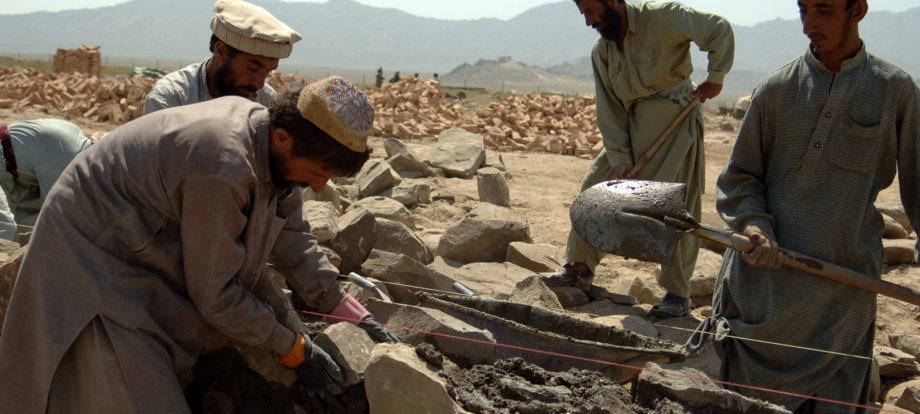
[{"x": 855, "y": 147}]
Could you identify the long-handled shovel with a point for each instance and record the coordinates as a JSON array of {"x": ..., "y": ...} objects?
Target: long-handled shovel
[{"x": 645, "y": 220}]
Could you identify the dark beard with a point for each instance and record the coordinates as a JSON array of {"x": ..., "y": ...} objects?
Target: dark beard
[
  {"x": 279, "y": 170},
  {"x": 223, "y": 80},
  {"x": 613, "y": 23}
]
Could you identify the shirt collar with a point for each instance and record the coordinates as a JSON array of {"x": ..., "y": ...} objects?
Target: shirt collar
[
  {"x": 203, "y": 80},
  {"x": 632, "y": 16},
  {"x": 847, "y": 65}
]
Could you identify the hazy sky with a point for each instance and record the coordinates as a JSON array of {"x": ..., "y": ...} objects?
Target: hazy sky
[{"x": 741, "y": 12}]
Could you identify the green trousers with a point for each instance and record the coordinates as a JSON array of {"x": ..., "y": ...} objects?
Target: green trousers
[{"x": 686, "y": 166}]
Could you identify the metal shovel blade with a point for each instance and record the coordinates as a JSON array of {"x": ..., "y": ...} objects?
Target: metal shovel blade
[{"x": 625, "y": 217}]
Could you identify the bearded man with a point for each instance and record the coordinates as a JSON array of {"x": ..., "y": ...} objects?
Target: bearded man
[
  {"x": 824, "y": 134},
  {"x": 642, "y": 79},
  {"x": 246, "y": 42},
  {"x": 155, "y": 240}
]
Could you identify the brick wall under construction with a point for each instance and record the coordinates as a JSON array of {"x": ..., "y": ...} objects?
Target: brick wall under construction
[{"x": 86, "y": 60}]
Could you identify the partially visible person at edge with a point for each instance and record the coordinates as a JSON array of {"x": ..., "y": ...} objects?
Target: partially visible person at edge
[
  {"x": 155, "y": 239},
  {"x": 641, "y": 71},
  {"x": 246, "y": 44},
  {"x": 34, "y": 154},
  {"x": 824, "y": 134}
]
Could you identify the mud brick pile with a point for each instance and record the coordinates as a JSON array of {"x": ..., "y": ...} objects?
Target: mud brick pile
[
  {"x": 106, "y": 99},
  {"x": 86, "y": 60},
  {"x": 416, "y": 108}
]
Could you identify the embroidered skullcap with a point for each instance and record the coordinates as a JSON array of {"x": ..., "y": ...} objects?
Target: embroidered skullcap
[
  {"x": 252, "y": 29},
  {"x": 337, "y": 107}
]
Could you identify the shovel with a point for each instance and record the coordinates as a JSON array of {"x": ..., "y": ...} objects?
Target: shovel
[{"x": 645, "y": 219}]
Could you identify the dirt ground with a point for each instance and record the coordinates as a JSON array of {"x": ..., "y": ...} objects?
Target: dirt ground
[{"x": 542, "y": 187}]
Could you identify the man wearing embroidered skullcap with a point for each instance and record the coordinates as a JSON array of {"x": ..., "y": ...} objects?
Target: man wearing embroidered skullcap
[
  {"x": 246, "y": 44},
  {"x": 34, "y": 154},
  {"x": 160, "y": 235}
]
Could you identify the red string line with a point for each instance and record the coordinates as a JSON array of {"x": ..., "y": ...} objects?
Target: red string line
[{"x": 537, "y": 351}]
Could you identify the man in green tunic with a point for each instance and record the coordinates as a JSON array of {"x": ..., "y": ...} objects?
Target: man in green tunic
[
  {"x": 824, "y": 134},
  {"x": 641, "y": 71}
]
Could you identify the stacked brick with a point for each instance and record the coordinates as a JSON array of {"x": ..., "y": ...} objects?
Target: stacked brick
[
  {"x": 414, "y": 107},
  {"x": 409, "y": 108},
  {"x": 115, "y": 100},
  {"x": 86, "y": 60}
]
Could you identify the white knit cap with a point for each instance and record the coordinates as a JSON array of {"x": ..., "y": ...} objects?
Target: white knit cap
[{"x": 252, "y": 29}]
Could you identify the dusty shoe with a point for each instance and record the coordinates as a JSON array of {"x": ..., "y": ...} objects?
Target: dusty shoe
[
  {"x": 671, "y": 306},
  {"x": 569, "y": 276}
]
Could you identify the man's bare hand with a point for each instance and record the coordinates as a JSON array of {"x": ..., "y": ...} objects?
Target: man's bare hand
[
  {"x": 766, "y": 251},
  {"x": 624, "y": 171},
  {"x": 707, "y": 90}
]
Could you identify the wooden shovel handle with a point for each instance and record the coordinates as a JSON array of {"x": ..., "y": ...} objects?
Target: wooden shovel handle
[
  {"x": 664, "y": 136},
  {"x": 814, "y": 266}
]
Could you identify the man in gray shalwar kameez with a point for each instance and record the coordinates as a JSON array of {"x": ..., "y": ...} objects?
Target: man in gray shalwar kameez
[
  {"x": 824, "y": 134},
  {"x": 153, "y": 241},
  {"x": 247, "y": 43}
]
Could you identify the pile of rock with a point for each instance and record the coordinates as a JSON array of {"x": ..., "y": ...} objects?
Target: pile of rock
[
  {"x": 75, "y": 94},
  {"x": 414, "y": 107},
  {"x": 86, "y": 60}
]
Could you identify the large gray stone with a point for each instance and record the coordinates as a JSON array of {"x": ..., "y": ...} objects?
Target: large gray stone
[
  {"x": 893, "y": 229},
  {"x": 323, "y": 218},
  {"x": 355, "y": 238},
  {"x": 407, "y": 275},
  {"x": 409, "y": 194},
  {"x": 396, "y": 237},
  {"x": 646, "y": 291},
  {"x": 10, "y": 259},
  {"x": 492, "y": 187},
  {"x": 404, "y": 160},
  {"x": 484, "y": 234},
  {"x": 893, "y": 363},
  {"x": 910, "y": 400},
  {"x": 895, "y": 392},
  {"x": 388, "y": 208},
  {"x": 376, "y": 176},
  {"x": 453, "y": 337},
  {"x": 697, "y": 395},
  {"x": 906, "y": 342},
  {"x": 331, "y": 192},
  {"x": 539, "y": 257},
  {"x": 494, "y": 159},
  {"x": 895, "y": 210},
  {"x": 491, "y": 279},
  {"x": 398, "y": 381},
  {"x": 532, "y": 291},
  {"x": 458, "y": 153},
  {"x": 705, "y": 273},
  {"x": 350, "y": 347},
  {"x": 900, "y": 251}
]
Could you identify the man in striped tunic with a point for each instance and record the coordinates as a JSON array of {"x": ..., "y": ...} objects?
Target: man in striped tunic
[{"x": 824, "y": 134}]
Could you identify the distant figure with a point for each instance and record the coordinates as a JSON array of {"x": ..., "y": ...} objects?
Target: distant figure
[
  {"x": 395, "y": 77},
  {"x": 247, "y": 42},
  {"x": 35, "y": 152},
  {"x": 379, "y": 81},
  {"x": 416, "y": 75},
  {"x": 436, "y": 77}
]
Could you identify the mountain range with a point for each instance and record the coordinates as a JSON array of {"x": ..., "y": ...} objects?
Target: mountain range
[{"x": 349, "y": 35}]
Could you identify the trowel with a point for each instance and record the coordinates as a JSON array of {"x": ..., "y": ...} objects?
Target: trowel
[{"x": 645, "y": 219}]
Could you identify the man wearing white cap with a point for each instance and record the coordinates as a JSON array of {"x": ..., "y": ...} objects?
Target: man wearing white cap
[
  {"x": 246, "y": 42},
  {"x": 161, "y": 233}
]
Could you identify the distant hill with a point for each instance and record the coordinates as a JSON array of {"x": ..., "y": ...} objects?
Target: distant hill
[{"x": 357, "y": 39}]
